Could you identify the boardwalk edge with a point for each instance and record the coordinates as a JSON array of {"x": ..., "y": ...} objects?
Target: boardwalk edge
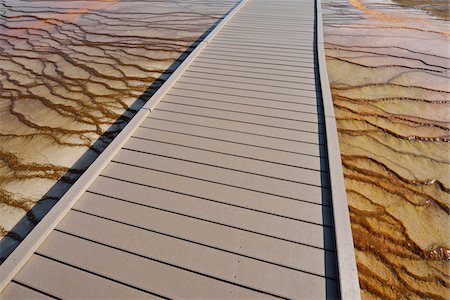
[
  {"x": 17, "y": 259},
  {"x": 348, "y": 273}
]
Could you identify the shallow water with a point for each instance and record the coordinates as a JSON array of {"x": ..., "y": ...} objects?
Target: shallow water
[
  {"x": 69, "y": 70},
  {"x": 388, "y": 64}
]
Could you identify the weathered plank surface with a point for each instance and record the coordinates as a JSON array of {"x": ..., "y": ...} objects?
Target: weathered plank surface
[{"x": 223, "y": 192}]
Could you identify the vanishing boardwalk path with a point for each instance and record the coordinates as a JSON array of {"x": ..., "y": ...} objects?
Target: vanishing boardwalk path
[{"x": 223, "y": 191}]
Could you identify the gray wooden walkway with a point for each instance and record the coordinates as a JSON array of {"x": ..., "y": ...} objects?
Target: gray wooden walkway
[{"x": 222, "y": 192}]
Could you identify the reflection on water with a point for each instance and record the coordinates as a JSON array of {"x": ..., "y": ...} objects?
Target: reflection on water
[
  {"x": 68, "y": 71},
  {"x": 389, "y": 73}
]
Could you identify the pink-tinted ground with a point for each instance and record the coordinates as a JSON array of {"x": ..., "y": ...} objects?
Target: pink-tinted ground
[
  {"x": 68, "y": 71},
  {"x": 389, "y": 72}
]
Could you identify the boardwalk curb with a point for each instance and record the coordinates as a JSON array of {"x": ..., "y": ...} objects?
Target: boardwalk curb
[
  {"x": 156, "y": 98},
  {"x": 348, "y": 274},
  {"x": 16, "y": 260}
]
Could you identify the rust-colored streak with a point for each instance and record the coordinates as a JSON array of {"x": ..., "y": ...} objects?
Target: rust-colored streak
[
  {"x": 70, "y": 76},
  {"x": 393, "y": 118}
]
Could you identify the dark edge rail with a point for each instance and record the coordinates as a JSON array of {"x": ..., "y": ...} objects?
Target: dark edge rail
[
  {"x": 17, "y": 259},
  {"x": 346, "y": 261}
]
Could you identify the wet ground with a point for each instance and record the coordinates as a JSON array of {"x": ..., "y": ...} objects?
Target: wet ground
[
  {"x": 388, "y": 64},
  {"x": 71, "y": 73}
]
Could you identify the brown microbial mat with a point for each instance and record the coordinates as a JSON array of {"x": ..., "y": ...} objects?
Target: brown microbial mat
[
  {"x": 72, "y": 73},
  {"x": 389, "y": 72}
]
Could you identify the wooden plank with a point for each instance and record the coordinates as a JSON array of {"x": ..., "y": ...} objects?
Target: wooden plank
[
  {"x": 249, "y": 165},
  {"x": 260, "y": 62},
  {"x": 227, "y": 91},
  {"x": 264, "y": 25},
  {"x": 300, "y": 57},
  {"x": 263, "y": 40},
  {"x": 286, "y": 17},
  {"x": 286, "y": 30},
  {"x": 304, "y": 124},
  {"x": 66, "y": 282},
  {"x": 205, "y": 260},
  {"x": 205, "y": 68},
  {"x": 288, "y": 40},
  {"x": 254, "y": 82},
  {"x": 255, "y": 102},
  {"x": 14, "y": 291},
  {"x": 223, "y": 193},
  {"x": 262, "y": 184},
  {"x": 248, "y": 30},
  {"x": 244, "y": 108},
  {"x": 230, "y": 132},
  {"x": 197, "y": 230},
  {"x": 270, "y": 204},
  {"x": 290, "y": 257},
  {"x": 276, "y": 124},
  {"x": 295, "y": 210},
  {"x": 225, "y": 215},
  {"x": 258, "y": 26},
  {"x": 300, "y": 49},
  {"x": 260, "y": 43},
  {"x": 243, "y": 49},
  {"x": 278, "y": 66},
  {"x": 298, "y": 46},
  {"x": 293, "y": 75},
  {"x": 241, "y": 150},
  {"x": 138, "y": 271},
  {"x": 272, "y": 36}
]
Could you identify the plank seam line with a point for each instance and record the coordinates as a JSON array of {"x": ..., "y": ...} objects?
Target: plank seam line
[
  {"x": 258, "y": 55},
  {"x": 280, "y": 15},
  {"x": 232, "y": 53},
  {"x": 240, "y": 121},
  {"x": 98, "y": 274},
  {"x": 152, "y": 259},
  {"x": 222, "y": 46},
  {"x": 250, "y": 97},
  {"x": 222, "y": 54},
  {"x": 258, "y": 45},
  {"x": 234, "y": 142},
  {"x": 241, "y": 112},
  {"x": 257, "y": 62},
  {"x": 273, "y": 78},
  {"x": 35, "y": 289},
  {"x": 216, "y": 182},
  {"x": 263, "y": 54},
  {"x": 210, "y": 99},
  {"x": 242, "y": 64},
  {"x": 257, "y": 84},
  {"x": 228, "y": 141},
  {"x": 321, "y": 228},
  {"x": 266, "y": 30},
  {"x": 275, "y": 18},
  {"x": 245, "y": 104},
  {"x": 195, "y": 243},
  {"x": 254, "y": 39},
  {"x": 208, "y": 66},
  {"x": 211, "y": 200},
  {"x": 243, "y": 89},
  {"x": 17, "y": 259},
  {"x": 264, "y": 35},
  {"x": 226, "y": 168},
  {"x": 245, "y": 24},
  {"x": 225, "y": 153}
]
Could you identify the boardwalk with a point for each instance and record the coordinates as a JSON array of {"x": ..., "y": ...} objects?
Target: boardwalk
[{"x": 222, "y": 191}]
